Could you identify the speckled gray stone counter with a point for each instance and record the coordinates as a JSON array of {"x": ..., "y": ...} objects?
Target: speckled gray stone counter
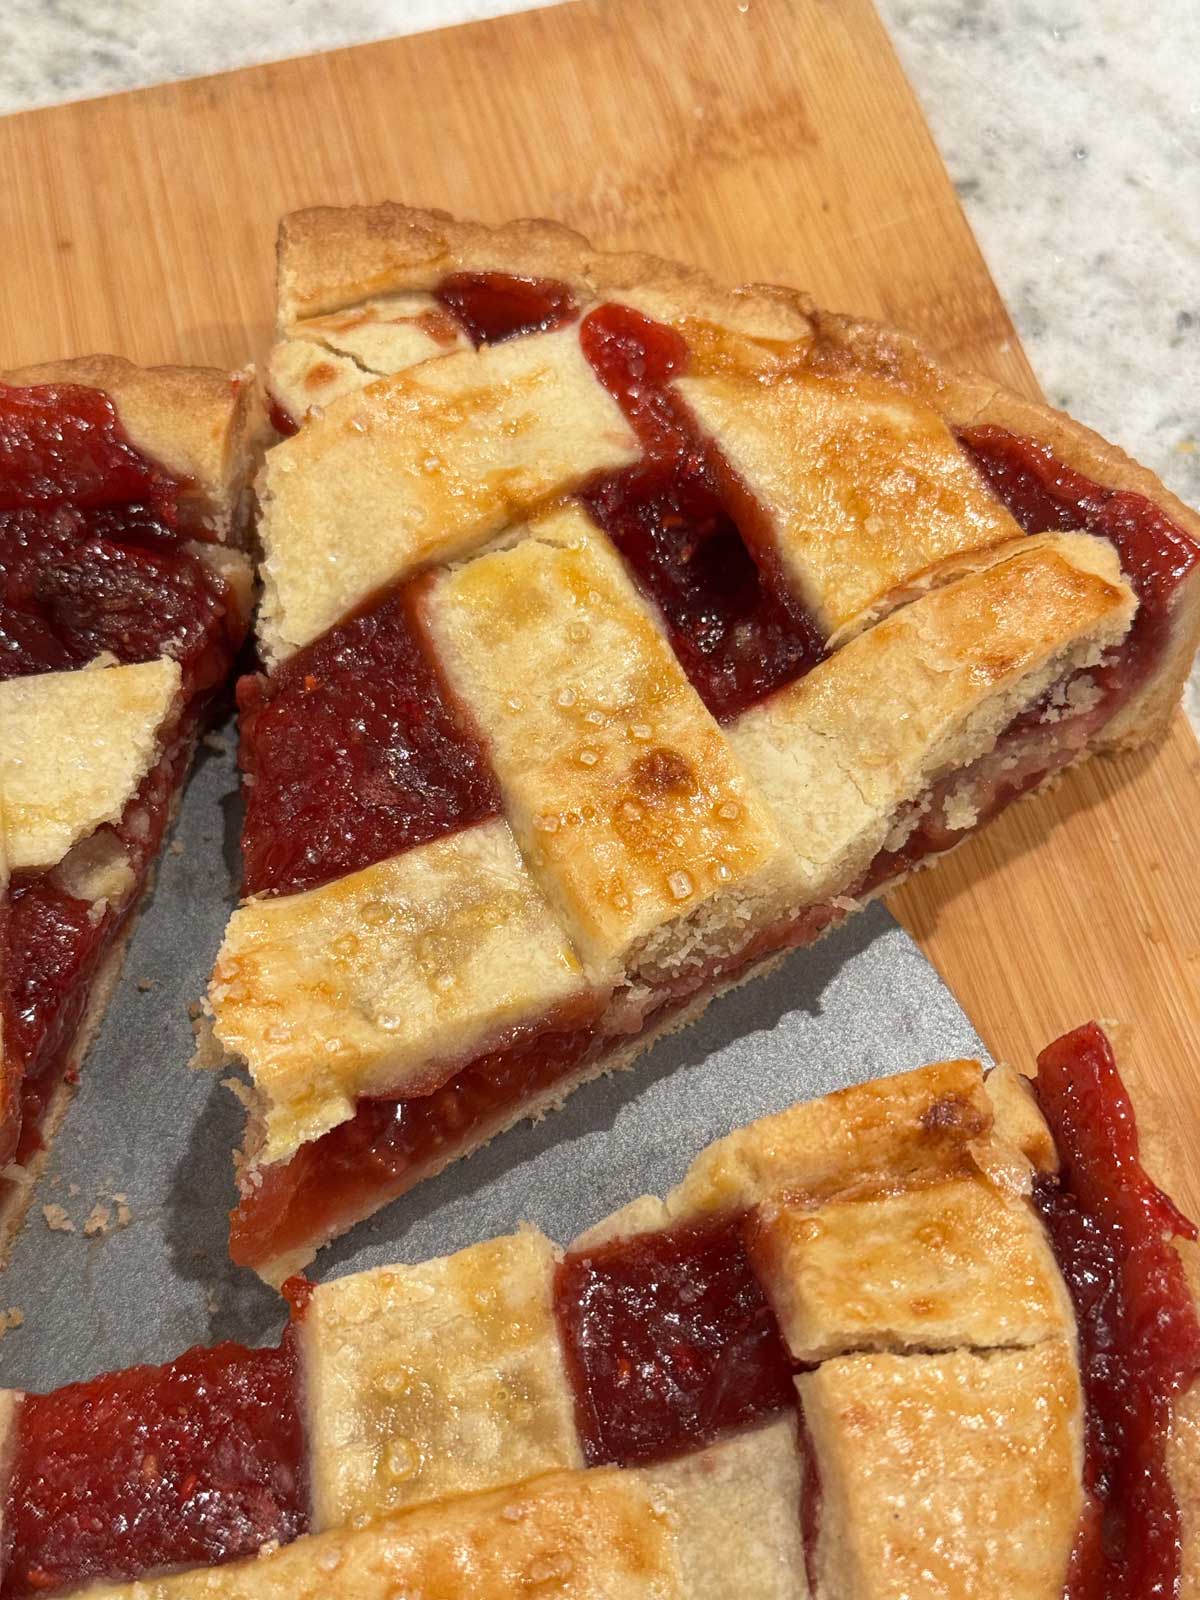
[
  {"x": 1071, "y": 128},
  {"x": 1072, "y": 132}
]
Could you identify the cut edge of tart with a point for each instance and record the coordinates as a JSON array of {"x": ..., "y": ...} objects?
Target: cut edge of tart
[
  {"x": 938, "y": 1329},
  {"x": 672, "y": 620},
  {"x": 125, "y": 592}
]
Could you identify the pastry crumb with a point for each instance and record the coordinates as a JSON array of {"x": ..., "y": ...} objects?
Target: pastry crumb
[
  {"x": 10, "y": 1319},
  {"x": 72, "y": 1188},
  {"x": 124, "y": 1214},
  {"x": 99, "y": 1220},
  {"x": 144, "y": 985},
  {"x": 215, "y": 742},
  {"x": 209, "y": 1054},
  {"x": 177, "y": 847},
  {"x": 57, "y": 1219}
]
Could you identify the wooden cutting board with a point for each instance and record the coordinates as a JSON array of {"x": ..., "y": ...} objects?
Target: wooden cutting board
[{"x": 763, "y": 139}]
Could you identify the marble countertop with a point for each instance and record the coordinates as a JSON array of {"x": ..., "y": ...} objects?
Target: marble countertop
[{"x": 1072, "y": 131}]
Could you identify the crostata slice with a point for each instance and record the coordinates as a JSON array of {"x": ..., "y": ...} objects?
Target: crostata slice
[
  {"x": 621, "y": 633},
  {"x": 124, "y": 597},
  {"x": 930, "y": 1338}
]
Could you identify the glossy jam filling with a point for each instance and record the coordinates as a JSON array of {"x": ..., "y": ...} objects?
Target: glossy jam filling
[
  {"x": 71, "y": 590},
  {"x": 281, "y": 418},
  {"x": 1044, "y": 495},
  {"x": 93, "y": 552},
  {"x": 669, "y": 1342},
  {"x": 737, "y": 631},
  {"x": 1111, "y": 1228},
  {"x": 189, "y": 1464},
  {"x": 353, "y": 751},
  {"x": 493, "y": 306},
  {"x": 387, "y": 1148},
  {"x": 61, "y": 444},
  {"x": 699, "y": 546}
]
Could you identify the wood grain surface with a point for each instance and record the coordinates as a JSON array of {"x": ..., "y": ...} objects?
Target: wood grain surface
[{"x": 774, "y": 140}]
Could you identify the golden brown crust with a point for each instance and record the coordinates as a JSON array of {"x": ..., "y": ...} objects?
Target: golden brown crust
[
  {"x": 327, "y": 254},
  {"x": 206, "y": 428},
  {"x": 442, "y": 1378},
  {"x": 425, "y": 467},
  {"x": 956, "y": 1263},
  {"x": 112, "y": 722},
  {"x": 956, "y": 1475},
  {"x": 622, "y": 791},
  {"x": 602, "y": 1535},
  {"x": 199, "y": 423},
  {"x": 958, "y": 1467},
  {"x": 764, "y": 336},
  {"x": 387, "y": 979},
  {"x": 331, "y": 256}
]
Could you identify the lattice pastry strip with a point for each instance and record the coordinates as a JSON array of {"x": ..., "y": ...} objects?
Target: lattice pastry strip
[
  {"x": 913, "y": 1447},
  {"x": 649, "y": 1534},
  {"x": 863, "y": 488},
  {"x": 624, "y": 795}
]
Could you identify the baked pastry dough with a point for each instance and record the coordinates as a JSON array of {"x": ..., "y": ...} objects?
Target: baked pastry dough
[
  {"x": 745, "y": 611},
  {"x": 124, "y": 594},
  {"x": 435, "y": 1380},
  {"x": 863, "y": 490},
  {"x": 108, "y": 725},
  {"x": 926, "y": 1436},
  {"x": 942, "y": 1265},
  {"x": 915, "y": 1447}
]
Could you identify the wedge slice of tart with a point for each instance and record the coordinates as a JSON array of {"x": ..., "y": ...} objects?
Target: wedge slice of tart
[
  {"x": 932, "y": 1337},
  {"x": 124, "y": 596},
  {"x": 622, "y": 633}
]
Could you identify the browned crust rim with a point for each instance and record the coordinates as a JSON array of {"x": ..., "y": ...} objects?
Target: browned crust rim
[{"x": 330, "y": 257}]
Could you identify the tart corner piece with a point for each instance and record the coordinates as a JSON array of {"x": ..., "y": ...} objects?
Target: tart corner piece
[
  {"x": 930, "y": 1335},
  {"x": 710, "y": 614},
  {"x": 124, "y": 595}
]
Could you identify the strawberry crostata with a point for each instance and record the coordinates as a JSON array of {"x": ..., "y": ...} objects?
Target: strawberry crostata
[{"x": 620, "y": 633}]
